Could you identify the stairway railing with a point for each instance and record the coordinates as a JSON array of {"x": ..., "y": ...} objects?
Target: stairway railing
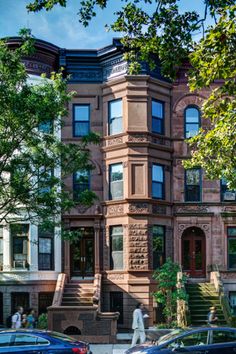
[
  {"x": 97, "y": 290},
  {"x": 182, "y": 304},
  {"x": 61, "y": 281},
  {"x": 215, "y": 278}
]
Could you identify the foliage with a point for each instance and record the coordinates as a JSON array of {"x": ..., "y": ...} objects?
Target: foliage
[
  {"x": 167, "y": 293},
  {"x": 30, "y": 149},
  {"x": 42, "y": 322},
  {"x": 160, "y": 30}
]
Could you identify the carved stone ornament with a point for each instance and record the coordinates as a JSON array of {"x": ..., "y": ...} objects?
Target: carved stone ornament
[
  {"x": 137, "y": 138},
  {"x": 138, "y": 208},
  {"x": 114, "y": 210},
  {"x": 205, "y": 227},
  {"x": 115, "y": 141},
  {"x": 82, "y": 208},
  {"x": 138, "y": 247},
  {"x": 192, "y": 208}
]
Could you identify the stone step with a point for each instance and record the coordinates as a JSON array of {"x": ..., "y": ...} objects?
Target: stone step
[
  {"x": 78, "y": 291},
  {"x": 76, "y": 294},
  {"x": 77, "y": 303}
]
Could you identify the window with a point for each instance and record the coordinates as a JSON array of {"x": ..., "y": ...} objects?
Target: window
[
  {"x": 46, "y": 127},
  {"x": 81, "y": 118},
  {"x": 116, "y": 241},
  {"x": 193, "y": 185},
  {"x": 20, "y": 238},
  {"x": 45, "y": 249},
  {"x": 5, "y": 340},
  {"x": 81, "y": 183},
  {"x": 24, "y": 339},
  {"x": 158, "y": 245},
  {"x": 115, "y": 117},
  {"x": 227, "y": 194},
  {"x": 192, "y": 121},
  {"x": 193, "y": 339},
  {"x": 116, "y": 304},
  {"x": 116, "y": 181},
  {"x": 19, "y": 299},
  {"x": 44, "y": 301},
  {"x": 157, "y": 117},
  {"x": 158, "y": 186},
  {"x": 45, "y": 181},
  {"x": 223, "y": 336},
  {"x": 1, "y": 247},
  {"x": 231, "y": 234}
]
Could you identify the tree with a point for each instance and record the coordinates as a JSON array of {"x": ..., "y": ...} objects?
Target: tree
[
  {"x": 163, "y": 32},
  {"x": 30, "y": 149},
  {"x": 167, "y": 292}
]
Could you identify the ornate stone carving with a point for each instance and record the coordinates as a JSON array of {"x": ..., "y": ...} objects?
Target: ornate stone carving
[
  {"x": 86, "y": 75},
  {"x": 82, "y": 208},
  {"x": 115, "y": 210},
  {"x": 137, "y": 138},
  {"x": 138, "y": 208},
  {"x": 138, "y": 246},
  {"x": 115, "y": 141},
  {"x": 115, "y": 276},
  {"x": 159, "y": 209},
  {"x": 206, "y": 227},
  {"x": 192, "y": 209}
]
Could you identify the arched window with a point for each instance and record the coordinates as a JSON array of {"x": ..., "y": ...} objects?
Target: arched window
[{"x": 192, "y": 121}]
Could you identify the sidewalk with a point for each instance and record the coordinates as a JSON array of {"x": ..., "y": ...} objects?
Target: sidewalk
[
  {"x": 113, "y": 348},
  {"x": 109, "y": 348}
]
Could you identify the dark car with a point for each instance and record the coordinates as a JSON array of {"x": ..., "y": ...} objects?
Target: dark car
[
  {"x": 205, "y": 340},
  {"x": 40, "y": 342}
]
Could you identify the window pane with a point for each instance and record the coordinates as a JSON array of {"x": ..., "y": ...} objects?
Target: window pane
[
  {"x": 199, "y": 338},
  {"x": 5, "y": 340},
  {"x": 115, "y": 109},
  {"x": 223, "y": 336},
  {"x": 45, "y": 245},
  {"x": 19, "y": 229},
  {"x": 157, "y": 190},
  {"x": 81, "y": 128},
  {"x": 232, "y": 253},
  {"x": 157, "y": 109},
  {"x": 81, "y": 113},
  {"x": 117, "y": 247},
  {"x": 157, "y": 173},
  {"x": 158, "y": 245},
  {"x": 45, "y": 261},
  {"x": 191, "y": 130},
  {"x": 116, "y": 172},
  {"x": 157, "y": 125},
  {"x": 24, "y": 339},
  {"x": 192, "y": 193},
  {"x": 231, "y": 231},
  {"x": 116, "y": 126},
  {"x": 193, "y": 177},
  {"x": 192, "y": 115}
]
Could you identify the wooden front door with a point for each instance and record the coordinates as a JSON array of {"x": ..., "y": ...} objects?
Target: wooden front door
[
  {"x": 82, "y": 256},
  {"x": 194, "y": 252}
]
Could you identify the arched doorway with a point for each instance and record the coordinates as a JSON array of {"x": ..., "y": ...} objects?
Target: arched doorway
[{"x": 194, "y": 252}]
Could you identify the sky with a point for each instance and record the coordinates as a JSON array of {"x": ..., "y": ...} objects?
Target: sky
[{"x": 61, "y": 26}]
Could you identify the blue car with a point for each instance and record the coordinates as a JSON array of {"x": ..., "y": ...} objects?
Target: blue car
[
  {"x": 205, "y": 340},
  {"x": 40, "y": 342}
]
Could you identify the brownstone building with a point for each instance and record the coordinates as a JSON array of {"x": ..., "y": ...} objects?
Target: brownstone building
[{"x": 148, "y": 207}]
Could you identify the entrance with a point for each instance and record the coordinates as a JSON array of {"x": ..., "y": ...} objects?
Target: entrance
[
  {"x": 82, "y": 254},
  {"x": 194, "y": 252}
]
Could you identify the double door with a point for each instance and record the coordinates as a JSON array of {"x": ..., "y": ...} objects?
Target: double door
[
  {"x": 82, "y": 256},
  {"x": 194, "y": 254}
]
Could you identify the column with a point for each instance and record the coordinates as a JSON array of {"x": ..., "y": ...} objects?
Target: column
[
  {"x": 97, "y": 245},
  {"x": 33, "y": 253},
  {"x": 6, "y": 248}
]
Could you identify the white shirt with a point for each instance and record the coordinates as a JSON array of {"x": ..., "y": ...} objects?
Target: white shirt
[
  {"x": 16, "y": 318},
  {"x": 138, "y": 320}
]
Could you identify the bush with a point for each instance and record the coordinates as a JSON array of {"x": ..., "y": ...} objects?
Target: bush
[{"x": 42, "y": 321}]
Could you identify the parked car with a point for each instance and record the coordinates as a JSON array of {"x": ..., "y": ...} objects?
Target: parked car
[
  {"x": 205, "y": 340},
  {"x": 40, "y": 342}
]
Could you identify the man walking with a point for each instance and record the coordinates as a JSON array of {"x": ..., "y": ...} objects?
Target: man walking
[
  {"x": 138, "y": 325},
  {"x": 16, "y": 318}
]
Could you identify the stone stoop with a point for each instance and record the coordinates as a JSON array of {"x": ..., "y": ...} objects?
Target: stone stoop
[
  {"x": 78, "y": 294},
  {"x": 201, "y": 297}
]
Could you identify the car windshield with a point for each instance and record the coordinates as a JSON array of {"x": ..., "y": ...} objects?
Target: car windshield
[
  {"x": 62, "y": 337},
  {"x": 170, "y": 335}
]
